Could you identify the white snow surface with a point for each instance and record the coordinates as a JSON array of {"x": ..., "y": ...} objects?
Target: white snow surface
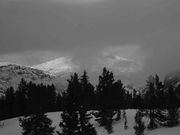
[
  {"x": 56, "y": 66},
  {"x": 11, "y": 126}
]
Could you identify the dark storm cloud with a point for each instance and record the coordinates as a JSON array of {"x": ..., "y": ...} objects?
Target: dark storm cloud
[{"x": 84, "y": 28}]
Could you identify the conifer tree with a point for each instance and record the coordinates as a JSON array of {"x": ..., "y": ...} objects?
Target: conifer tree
[
  {"x": 86, "y": 128},
  {"x": 118, "y": 98},
  {"x": 152, "y": 124},
  {"x": 87, "y": 91},
  {"x": 139, "y": 126},
  {"x": 105, "y": 113},
  {"x": 173, "y": 115},
  {"x": 70, "y": 122},
  {"x": 36, "y": 124},
  {"x": 70, "y": 116},
  {"x": 75, "y": 118},
  {"x": 21, "y": 98},
  {"x": 152, "y": 103},
  {"x": 9, "y": 101}
]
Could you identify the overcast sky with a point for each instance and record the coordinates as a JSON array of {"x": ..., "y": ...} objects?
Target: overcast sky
[{"x": 129, "y": 36}]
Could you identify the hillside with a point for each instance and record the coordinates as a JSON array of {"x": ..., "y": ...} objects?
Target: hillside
[{"x": 11, "y": 74}]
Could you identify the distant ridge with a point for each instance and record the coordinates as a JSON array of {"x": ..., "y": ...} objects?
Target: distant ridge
[{"x": 11, "y": 74}]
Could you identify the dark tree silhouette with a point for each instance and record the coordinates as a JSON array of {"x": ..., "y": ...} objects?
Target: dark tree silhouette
[
  {"x": 152, "y": 104},
  {"x": 9, "y": 101},
  {"x": 173, "y": 115},
  {"x": 75, "y": 119},
  {"x": 87, "y": 91},
  {"x": 105, "y": 113},
  {"x": 70, "y": 116},
  {"x": 139, "y": 127},
  {"x": 86, "y": 128},
  {"x": 70, "y": 122},
  {"x": 21, "y": 99},
  {"x": 36, "y": 124}
]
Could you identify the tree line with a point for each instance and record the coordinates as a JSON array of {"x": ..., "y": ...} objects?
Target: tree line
[
  {"x": 157, "y": 101},
  {"x": 108, "y": 94}
]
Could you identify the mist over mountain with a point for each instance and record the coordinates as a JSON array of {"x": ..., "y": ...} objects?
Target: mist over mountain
[
  {"x": 11, "y": 75},
  {"x": 58, "y": 71},
  {"x": 52, "y": 72}
]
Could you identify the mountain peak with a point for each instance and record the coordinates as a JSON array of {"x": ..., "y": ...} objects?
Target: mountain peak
[{"x": 57, "y": 66}]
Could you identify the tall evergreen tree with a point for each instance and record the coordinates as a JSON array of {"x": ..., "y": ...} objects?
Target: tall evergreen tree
[
  {"x": 59, "y": 102},
  {"x": 151, "y": 99},
  {"x": 118, "y": 98},
  {"x": 105, "y": 113},
  {"x": 173, "y": 115},
  {"x": 118, "y": 95},
  {"x": 75, "y": 119},
  {"x": 21, "y": 98},
  {"x": 50, "y": 97},
  {"x": 70, "y": 121},
  {"x": 9, "y": 101},
  {"x": 70, "y": 116},
  {"x": 104, "y": 89},
  {"x": 139, "y": 127},
  {"x": 87, "y": 91}
]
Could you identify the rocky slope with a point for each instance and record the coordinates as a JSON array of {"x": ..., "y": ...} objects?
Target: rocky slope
[{"x": 11, "y": 74}]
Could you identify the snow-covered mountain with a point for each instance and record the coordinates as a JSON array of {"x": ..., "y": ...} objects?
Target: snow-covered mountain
[
  {"x": 11, "y": 74},
  {"x": 57, "y": 66},
  {"x": 61, "y": 68},
  {"x": 56, "y": 71}
]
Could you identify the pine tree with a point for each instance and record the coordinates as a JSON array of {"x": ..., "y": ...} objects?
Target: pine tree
[
  {"x": 118, "y": 98},
  {"x": 70, "y": 122},
  {"x": 139, "y": 127},
  {"x": 70, "y": 116},
  {"x": 105, "y": 119},
  {"x": 87, "y": 95},
  {"x": 59, "y": 102},
  {"x": 36, "y": 124},
  {"x": 152, "y": 124},
  {"x": 87, "y": 91},
  {"x": 75, "y": 119},
  {"x": 86, "y": 128},
  {"x": 104, "y": 89},
  {"x": 105, "y": 113},
  {"x": 152, "y": 103},
  {"x": 118, "y": 95},
  {"x": 173, "y": 116},
  {"x": 9, "y": 101},
  {"x": 21, "y": 98}
]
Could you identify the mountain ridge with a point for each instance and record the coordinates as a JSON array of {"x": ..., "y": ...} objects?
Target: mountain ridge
[{"x": 11, "y": 74}]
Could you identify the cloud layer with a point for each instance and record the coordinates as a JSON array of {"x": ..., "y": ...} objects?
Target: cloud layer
[
  {"x": 127, "y": 58},
  {"x": 139, "y": 36}
]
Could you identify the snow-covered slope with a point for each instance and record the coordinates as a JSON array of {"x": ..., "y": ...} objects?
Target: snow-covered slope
[
  {"x": 11, "y": 126},
  {"x": 11, "y": 74},
  {"x": 57, "y": 66}
]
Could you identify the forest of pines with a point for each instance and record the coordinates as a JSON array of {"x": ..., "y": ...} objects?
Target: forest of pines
[{"x": 81, "y": 100}]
